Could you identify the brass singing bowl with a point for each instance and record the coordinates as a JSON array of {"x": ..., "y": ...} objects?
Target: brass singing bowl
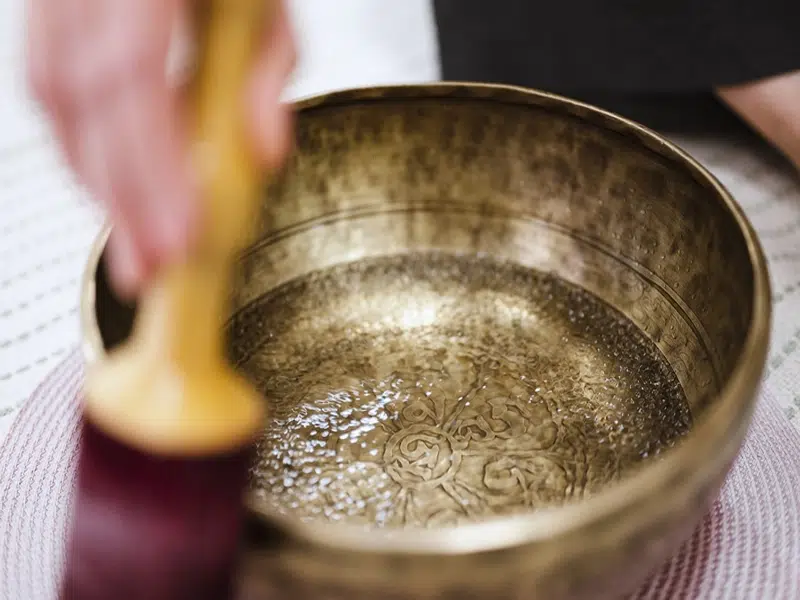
[{"x": 511, "y": 345}]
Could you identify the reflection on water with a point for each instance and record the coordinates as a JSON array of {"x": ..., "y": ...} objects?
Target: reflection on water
[{"x": 430, "y": 389}]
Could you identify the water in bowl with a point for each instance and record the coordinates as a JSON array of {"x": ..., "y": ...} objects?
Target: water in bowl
[{"x": 426, "y": 390}]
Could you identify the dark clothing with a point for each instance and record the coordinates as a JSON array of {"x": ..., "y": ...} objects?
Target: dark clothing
[{"x": 655, "y": 61}]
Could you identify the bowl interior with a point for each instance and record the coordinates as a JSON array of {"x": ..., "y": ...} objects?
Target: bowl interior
[{"x": 464, "y": 304}]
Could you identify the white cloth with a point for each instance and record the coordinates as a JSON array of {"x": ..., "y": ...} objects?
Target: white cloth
[{"x": 748, "y": 546}]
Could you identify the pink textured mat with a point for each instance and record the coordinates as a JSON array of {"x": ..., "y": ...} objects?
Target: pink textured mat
[{"x": 748, "y": 547}]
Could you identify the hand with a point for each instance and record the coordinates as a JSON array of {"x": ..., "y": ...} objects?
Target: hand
[
  {"x": 99, "y": 68},
  {"x": 772, "y": 107}
]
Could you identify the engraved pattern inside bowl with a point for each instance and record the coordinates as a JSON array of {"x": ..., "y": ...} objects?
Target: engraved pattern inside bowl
[{"x": 431, "y": 389}]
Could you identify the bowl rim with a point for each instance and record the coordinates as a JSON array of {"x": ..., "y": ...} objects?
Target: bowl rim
[{"x": 723, "y": 424}]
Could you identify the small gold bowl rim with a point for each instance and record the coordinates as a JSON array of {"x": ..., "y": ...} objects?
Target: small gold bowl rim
[{"x": 726, "y": 421}]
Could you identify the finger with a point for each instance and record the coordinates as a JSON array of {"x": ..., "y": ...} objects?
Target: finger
[
  {"x": 151, "y": 148},
  {"x": 125, "y": 261},
  {"x": 150, "y": 160},
  {"x": 133, "y": 159},
  {"x": 125, "y": 266},
  {"x": 271, "y": 117},
  {"x": 104, "y": 58},
  {"x": 127, "y": 101}
]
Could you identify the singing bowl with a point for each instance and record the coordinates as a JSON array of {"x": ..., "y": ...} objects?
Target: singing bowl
[{"x": 510, "y": 344}]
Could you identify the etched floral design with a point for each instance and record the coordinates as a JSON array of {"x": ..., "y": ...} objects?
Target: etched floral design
[
  {"x": 438, "y": 441},
  {"x": 510, "y": 392},
  {"x": 422, "y": 456},
  {"x": 530, "y": 481}
]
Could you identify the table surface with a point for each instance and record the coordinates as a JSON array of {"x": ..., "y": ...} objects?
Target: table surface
[{"x": 47, "y": 223}]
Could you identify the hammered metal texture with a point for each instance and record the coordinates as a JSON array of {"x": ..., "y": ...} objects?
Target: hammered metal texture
[
  {"x": 486, "y": 317},
  {"x": 429, "y": 390}
]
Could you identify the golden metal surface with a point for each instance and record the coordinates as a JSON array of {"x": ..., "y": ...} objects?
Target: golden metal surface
[
  {"x": 484, "y": 319},
  {"x": 432, "y": 390}
]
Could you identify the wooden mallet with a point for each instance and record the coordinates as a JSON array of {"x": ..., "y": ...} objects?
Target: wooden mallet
[{"x": 169, "y": 426}]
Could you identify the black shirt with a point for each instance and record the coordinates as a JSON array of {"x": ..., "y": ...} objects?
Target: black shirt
[{"x": 655, "y": 61}]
